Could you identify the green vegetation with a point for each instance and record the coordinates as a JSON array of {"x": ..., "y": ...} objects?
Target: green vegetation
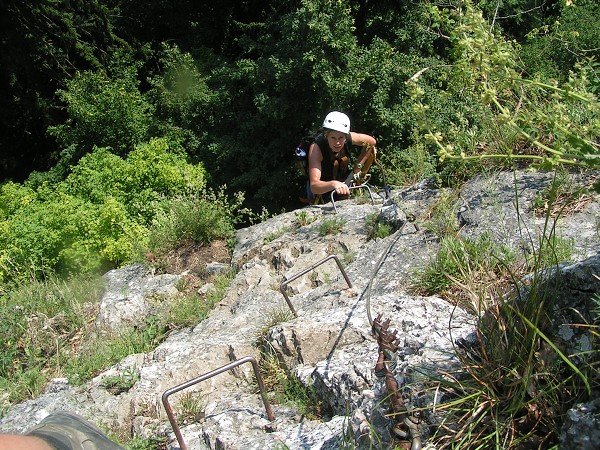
[
  {"x": 190, "y": 407},
  {"x": 282, "y": 386},
  {"x": 377, "y": 229},
  {"x": 122, "y": 382},
  {"x": 464, "y": 262},
  {"x": 44, "y": 324},
  {"x": 100, "y": 215},
  {"x": 275, "y": 234},
  {"x": 542, "y": 121},
  {"x": 441, "y": 220},
  {"x": 190, "y": 309},
  {"x": 562, "y": 197},
  {"x": 515, "y": 384},
  {"x": 303, "y": 218},
  {"x": 484, "y": 87},
  {"x": 37, "y": 321},
  {"x": 334, "y": 225},
  {"x": 120, "y": 147},
  {"x": 153, "y": 443},
  {"x": 282, "y": 315},
  {"x": 200, "y": 218}
]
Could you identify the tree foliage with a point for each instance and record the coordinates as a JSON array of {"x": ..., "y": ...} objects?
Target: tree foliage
[
  {"x": 103, "y": 112},
  {"x": 42, "y": 44},
  {"x": 234, "y": 87},
  {"x": 551, "y": 123},
  {"x": 98, "y": 217}
]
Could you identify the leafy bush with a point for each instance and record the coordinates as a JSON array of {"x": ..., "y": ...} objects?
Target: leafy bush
[
  {"x": 549, "y": 123},
  {"x": 104, "y": 111},
  {"x": 551, "y": 51},
  {"x": 100, "y": 215},
  {"x": 182, "y": 96},
  {"x": 201, "y": 218}
]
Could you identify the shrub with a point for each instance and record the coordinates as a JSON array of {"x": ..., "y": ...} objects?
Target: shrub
[
  {"x": 548, "y": 124},
  {"x": 201, "y": 217},
  {"x": 100, "y": 215},
  {"x": 104, "y": 111}
]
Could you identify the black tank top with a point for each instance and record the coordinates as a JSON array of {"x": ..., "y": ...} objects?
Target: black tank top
[{"x": 329, "y": 157}]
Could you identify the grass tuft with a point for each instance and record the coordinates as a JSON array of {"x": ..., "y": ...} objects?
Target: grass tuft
[{"x": 331, "y": 226}]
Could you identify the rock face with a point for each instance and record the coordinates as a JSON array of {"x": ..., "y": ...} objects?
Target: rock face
[
  {"x": 329, "y": 344},
  {"x": 124, "y": 304}
]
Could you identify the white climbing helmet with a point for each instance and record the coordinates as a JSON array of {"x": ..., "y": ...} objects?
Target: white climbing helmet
[{"x": 337, "y": 121}]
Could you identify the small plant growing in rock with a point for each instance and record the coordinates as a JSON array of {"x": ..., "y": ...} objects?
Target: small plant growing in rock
[
  {"x": 317, "y": 279},
  {"x": 281, "y": 315},
  {"x": 442, "y": 220},
  {"x": 303, "y": 218},
  {"x": 191, "y": 407},
  {"x": 377, "y": 229},
  {"x": 348, "y": 257},
  {"x": 361, "y": 197},
  {"x": 151, "y": 443},
  {"x": 275, "y": 234},
  {"x": 117, "y": 384},
  {"x": 331, "y": 226},
  {"x": 562, "y": 196},
  {"x": 284, "y": 388},
  {"x": 476, "y": 265}
]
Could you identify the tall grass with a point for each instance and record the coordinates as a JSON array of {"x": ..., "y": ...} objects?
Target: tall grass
[
  {"x": 515, "y": 382},
  {"x": 36, "y": 321}
]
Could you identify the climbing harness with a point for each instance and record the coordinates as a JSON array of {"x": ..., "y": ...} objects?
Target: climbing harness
[{"x": 359, "y": 175}]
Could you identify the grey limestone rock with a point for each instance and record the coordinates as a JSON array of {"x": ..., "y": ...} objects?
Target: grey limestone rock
[{"x": 329, "y": 345}]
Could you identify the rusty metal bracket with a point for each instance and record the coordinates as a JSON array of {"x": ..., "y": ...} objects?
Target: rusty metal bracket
[
  {"x": 187, "y": 384},
  {"x": 406, "y": 425},
  {"x": 305, "y": 271},
  {"x": 362, "y": 186}
]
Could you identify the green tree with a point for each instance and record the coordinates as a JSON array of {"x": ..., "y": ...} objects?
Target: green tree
[
  {"x": 103, "y": 111},
  {"x": 552, "y": 50},
  {"x": 545, "y": 123},
  {"x": 42, "y": 44},
  {"x": 247, "y": 115}
]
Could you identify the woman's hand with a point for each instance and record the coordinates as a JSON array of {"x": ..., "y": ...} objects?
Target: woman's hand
[{"x": 341, "y": 188}]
